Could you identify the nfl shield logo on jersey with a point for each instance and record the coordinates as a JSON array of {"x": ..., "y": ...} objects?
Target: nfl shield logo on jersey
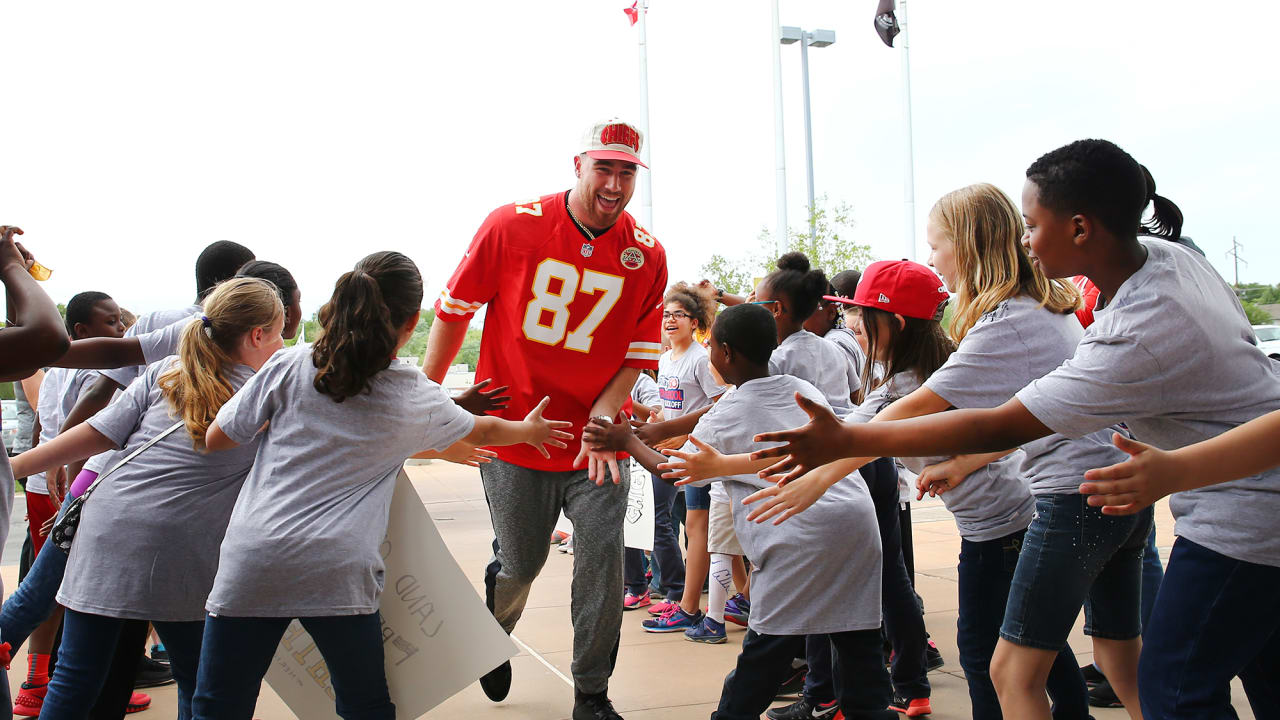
[{"x": 587, "y": 249}]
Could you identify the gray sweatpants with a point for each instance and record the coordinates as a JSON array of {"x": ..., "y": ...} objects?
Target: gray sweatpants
[{"x": 524, "y": 505}]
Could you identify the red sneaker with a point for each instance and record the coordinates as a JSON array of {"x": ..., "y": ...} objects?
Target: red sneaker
[
  {"x": 137, "y": 703},
  {"x": 30, "y": 699},
  {"x": 632, "y": 602},
  {"x": 918, "y": 707}
]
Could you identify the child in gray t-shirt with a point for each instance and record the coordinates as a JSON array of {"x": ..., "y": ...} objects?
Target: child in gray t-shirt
[
  {"x": 818, "y": 577},
  {"x": 334, "y": 422}
]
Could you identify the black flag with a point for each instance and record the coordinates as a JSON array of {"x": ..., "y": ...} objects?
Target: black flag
[{"x": 886, "y": 22}]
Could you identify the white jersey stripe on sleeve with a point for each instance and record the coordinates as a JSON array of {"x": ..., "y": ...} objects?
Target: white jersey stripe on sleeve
[
  {"x": 645, "y": 346},
  {"x": 453, "y": 306}
]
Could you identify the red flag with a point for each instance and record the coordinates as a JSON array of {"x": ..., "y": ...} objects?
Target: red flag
[{"x": 632, "y": 12}]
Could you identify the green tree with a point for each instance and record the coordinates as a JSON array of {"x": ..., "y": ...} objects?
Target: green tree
[
  {"x": 1256, "y": 315},
  {"x": 830, "y": 249}
]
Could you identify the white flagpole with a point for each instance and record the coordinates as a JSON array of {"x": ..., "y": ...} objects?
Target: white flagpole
[
  {"x": 779, "y": 144},
  {"x": 646, "y": 182},
  {"x": 909, "y": 182}
]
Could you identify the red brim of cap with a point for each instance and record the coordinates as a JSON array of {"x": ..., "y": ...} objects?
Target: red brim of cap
[
  {"x": 841, "y": 300},
  {"x": 615, "y": 155}
]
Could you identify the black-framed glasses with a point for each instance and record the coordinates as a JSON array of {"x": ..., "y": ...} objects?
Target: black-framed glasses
[{"x": 675, "y": 315}]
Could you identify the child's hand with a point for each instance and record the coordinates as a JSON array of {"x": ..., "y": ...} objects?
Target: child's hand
[
  {"x": 464, "y": 453},
  {"x": 1133, "y": 485},
  {"x": 689, "y": 467},
  {"x": 937, "y": 479},
  {"x": 603, "y": 434},
  {"x": 786, "y": 501},
  {"x": 647, "y": 432},
  {"x": 543, "y": 432},
  {"x": 822, "y": 440},
  {"x": 478, "y": 401}
]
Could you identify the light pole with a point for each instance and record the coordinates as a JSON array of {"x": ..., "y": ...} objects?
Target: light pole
[{"x": 816, "y": 38}]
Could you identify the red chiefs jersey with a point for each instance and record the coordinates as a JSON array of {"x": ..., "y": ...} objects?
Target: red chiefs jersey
[{"x": 565, "y": 312}]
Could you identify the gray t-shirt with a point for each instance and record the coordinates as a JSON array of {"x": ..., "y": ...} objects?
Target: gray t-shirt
[
  {"x": 147, "y": 545},
  {"x": 848, "y": 343},
  {"x": 991, "y": 503},
  {"x": 1012, "y": 345},
  {"x": 819, "y": 363},
  {"x": 645, "y": 392},
  {"x": 818, "y": 572},
  {"x": 58, "y": 394},
  {"x": 304, "y": 535},
  {"x": 146, "y": 324},
  {"x": 685, "y": 384},
  {"x": 1172, "y": 356},
  {"x": 26, "y": 419}
]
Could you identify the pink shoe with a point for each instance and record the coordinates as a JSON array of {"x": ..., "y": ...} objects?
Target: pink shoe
[
  {"x": 632, "y": 602},
  {"x": 662, "y": 608}
]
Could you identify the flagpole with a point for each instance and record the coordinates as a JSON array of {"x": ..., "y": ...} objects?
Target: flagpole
[
  {"x": 909, "y": 183},
  {"x": 646, "y": 210},
  {"x": 779, "y": 145}
]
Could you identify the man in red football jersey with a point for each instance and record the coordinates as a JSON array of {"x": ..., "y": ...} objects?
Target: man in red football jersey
[{"x": 574, "y": 293}]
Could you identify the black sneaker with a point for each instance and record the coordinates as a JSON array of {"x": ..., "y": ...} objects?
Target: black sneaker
[
  {"x": 1102, "y": 696},
  {"x": 794, "y": 684},
  {"x": 152, "y": 674},
  {"x": 805, "y": 709},
  {"x": 933, "y": 657},
  {"x": 593, "y": 707},
  {"x": 1092, "y": 675},
  {"x": 497, "y": 682},
  {"x": 159, "y": 654}
]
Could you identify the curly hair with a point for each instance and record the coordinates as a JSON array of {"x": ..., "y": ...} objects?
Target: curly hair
[{"x": 698, "y": 302}]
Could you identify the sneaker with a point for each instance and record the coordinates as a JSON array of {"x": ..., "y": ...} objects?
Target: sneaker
[
  {"x": 737, "y": 610},
  {"x": 497, "y": 682},
  {"x": 137, "y": 703},
  {"x": 30, "y": 699},
  {"x": 805, "y": 709},
  {"x": 593, "y": 707},
  {"x": 566, "y": 546},
  {"x": 675, "y": 621},
  {"x": 932, "y": 657},
  {"x": 1092, "y": 675},
  {"x": 152, "y": 674},
  {"x": 159, "y": 654},
  {"x": 632, "y": 601},
  {"x": 664, "y": 607},
  {"x": 911, "y": 708},
  {"x": 793, "y": 685},
  {"x": 558, "y": 536},
  {"x": 1102, "y": 696},
  {"x": 707, "y": 631}
]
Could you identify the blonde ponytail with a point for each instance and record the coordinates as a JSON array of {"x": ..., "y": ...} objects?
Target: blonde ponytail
[{"x": 195, "y": 386}]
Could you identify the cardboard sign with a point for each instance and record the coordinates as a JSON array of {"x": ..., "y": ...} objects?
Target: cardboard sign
[
  {"x": 438, "y": 636},
  {"x": 637, "y": 522}
]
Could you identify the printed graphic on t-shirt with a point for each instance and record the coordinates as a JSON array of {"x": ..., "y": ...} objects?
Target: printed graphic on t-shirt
[{"x": 670, "y": 392}]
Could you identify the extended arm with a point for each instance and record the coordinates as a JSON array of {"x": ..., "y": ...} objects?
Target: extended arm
[
  {"x": 78, "y": 444},
  {"x": 653, "y": 433},
  {"x": 607, "y": 404},
  {"x": 103, "y": 353},
  {"x": 534, "y": 430},
  {"x": 36, "y": 336}
]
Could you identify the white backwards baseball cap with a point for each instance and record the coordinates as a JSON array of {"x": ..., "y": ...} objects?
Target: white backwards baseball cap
[{"x": 613, "y": 139}]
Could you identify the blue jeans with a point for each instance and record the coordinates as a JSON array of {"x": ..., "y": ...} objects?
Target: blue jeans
[
  {"x": 237, "y": 652},
  {"x": 35, "y": 597},
  {"x": 85, "y": 657},
  {"x": 1152, "y": 575},
  {"x": 666, "y": 549},
  {"x": 985, "y": 574},
  {"x": 1215, "y": 618},
  {"x": 1073, "y": 555}
]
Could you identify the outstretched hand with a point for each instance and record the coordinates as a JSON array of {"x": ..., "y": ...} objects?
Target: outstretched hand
[
  {"x": 937, "y": 479},
  {"x": 603, "y": 434},
  {"x": 1135, "y": 484},
  {"x": 545, "y": 432},
  {"x": 690, "y": 467},
  {"x": 464, "y": 453},
  {"x": 782, "y": 502},
  {"x": 478, "y": 401},
  {"x": 818, "y": 442}
]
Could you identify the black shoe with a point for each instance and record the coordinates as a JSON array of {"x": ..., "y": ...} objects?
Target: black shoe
[
  {"x": 497, "y": 682},
  {"x": 932, "y": 657},
  {"x": 159, "y": 654},
  {"x": 794, "y": 684},
  {"x": 1092, "y": 675},
  {"x": 593, "y": 707},
  {"x": 805, "y": 709},
  {"x": 152, "y": 674},
  {"x": 1102, "y": 696}
]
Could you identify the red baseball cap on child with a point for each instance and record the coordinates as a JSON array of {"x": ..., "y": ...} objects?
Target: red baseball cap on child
[{"x": 903, "y": 287}]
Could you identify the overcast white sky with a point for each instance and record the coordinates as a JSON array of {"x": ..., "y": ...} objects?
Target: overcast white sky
[{"x": 134, "y": 134}]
